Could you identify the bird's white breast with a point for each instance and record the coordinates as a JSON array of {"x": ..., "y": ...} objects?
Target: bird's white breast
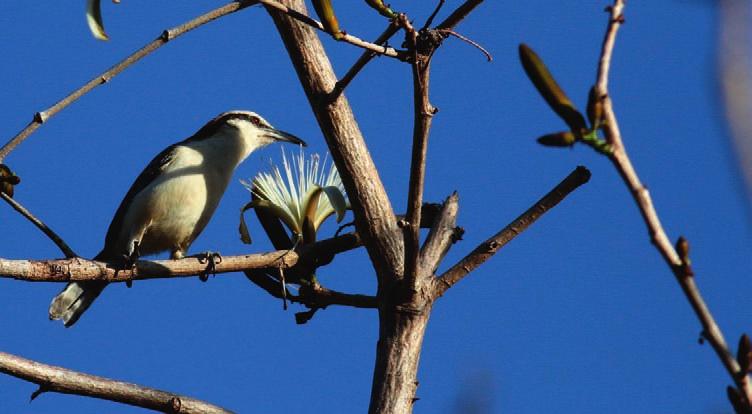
[{"x": 171, "y": 211}]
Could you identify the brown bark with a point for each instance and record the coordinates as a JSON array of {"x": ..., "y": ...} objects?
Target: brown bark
[{"x": 374, "y": 216}]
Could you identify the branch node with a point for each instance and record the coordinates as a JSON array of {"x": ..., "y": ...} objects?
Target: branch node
[
  {"x": 166, "y": 36},
  {"x": 457, "y": 234},
  {"x": 42, "y": 389},
  {"x": 174, "y": 405},
  {"x": 41, "y": 117}
]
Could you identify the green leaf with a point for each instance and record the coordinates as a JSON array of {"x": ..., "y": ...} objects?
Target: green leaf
[
  {"x": 539, "y": 74},
  {"x": 94, "y": 19}
]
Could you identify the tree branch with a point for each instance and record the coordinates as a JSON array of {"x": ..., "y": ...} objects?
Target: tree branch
[
  {"x": 67, "y": 251},
  {"x": 374, "y": 216},
  {"x": 620, "y": 159},
  {"x": 443, "y": 234},
  {"x": 422, "y": 46},
  {"x": 363, "y": 60},
  {"x": 459, "y": 14},
  {"x": 488, "y": 248},
  {"x": 302, "y": 16},
  {"x": 56, "y": 379},
  {"x": 79, "y": 269},
  {"x": 167, "y": 35}
]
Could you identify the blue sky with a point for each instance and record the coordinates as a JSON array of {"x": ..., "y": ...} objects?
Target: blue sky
[{"x": 579, "y": 314}]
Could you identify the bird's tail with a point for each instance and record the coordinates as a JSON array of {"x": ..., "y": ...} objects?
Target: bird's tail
[{"x": 73, "y": 301}]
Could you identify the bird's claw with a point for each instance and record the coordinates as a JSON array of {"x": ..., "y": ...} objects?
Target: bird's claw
[
  {"x": 211, "y": 259},
  {"x": 129, "y": 262}
]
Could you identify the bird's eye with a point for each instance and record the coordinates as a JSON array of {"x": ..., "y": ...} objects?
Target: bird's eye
[{"x": 255, "y": 121}]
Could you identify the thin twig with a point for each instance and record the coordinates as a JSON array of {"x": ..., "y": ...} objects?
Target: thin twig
[
  {"x": 459, "y": 14},
  {"x": 355, "y": 41},
  {"x": 488, "y": 248},
  {"x": 167, "y": 35},
  {"x": 429, "y": 21},
  {"x": 56, "y": 379},
  {"x": 469, "y": 41},
  {"x": 620, "y": 159},
  {"x": 67, "y": 251},
  {"x": 313, "y": 297},
  {"x": 423, "y": 113},
  {"x": 363, "y": 60}
]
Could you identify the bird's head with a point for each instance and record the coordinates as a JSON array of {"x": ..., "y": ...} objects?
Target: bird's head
[
  {"x": 253, "y": 130},
  {"x": 257, "y": 130}
]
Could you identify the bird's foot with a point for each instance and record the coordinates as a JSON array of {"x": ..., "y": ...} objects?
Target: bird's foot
[
  {"x": 211, "y": 259},
  {"x": 129, "y": 262}
]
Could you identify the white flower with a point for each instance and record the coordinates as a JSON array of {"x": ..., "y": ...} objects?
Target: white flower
[{"x": 297, "y": 195}]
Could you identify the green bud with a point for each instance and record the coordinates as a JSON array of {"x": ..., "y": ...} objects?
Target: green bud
[
  {"x": 595, "y": 109},
  {"x": 325, "y": 11},
  {"x": 382, "y": 8},
  {"x": 558, "y": 139},
  {"x": 539, "y": 74}
]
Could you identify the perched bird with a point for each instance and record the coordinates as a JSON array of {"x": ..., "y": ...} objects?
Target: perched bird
[{"x": 173, "y": 199}]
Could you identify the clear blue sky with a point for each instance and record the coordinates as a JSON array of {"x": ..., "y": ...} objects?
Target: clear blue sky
[{"x": 579, "y": 314}]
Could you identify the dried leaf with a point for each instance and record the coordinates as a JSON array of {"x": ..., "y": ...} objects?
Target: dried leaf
[{"x": 7, "y": 180}]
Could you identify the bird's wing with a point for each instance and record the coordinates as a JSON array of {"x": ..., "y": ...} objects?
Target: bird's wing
[{"x": 147, "y": 176}]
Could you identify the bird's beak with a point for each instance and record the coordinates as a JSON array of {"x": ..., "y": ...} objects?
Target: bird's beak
[{"x": 278, "y": 135}]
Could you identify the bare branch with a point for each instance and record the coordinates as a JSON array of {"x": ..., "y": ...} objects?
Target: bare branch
[
  {"x": 488, "y": 248},
  {"x": 167, "y": 35},
  {"x": 318, "y": 296},
  {"x": 422, "y": 47},
  {"x": 314, "y": 297},
  {"x": 459, "y": 14},
  {"x": 302, "y": 16},
  {"x": 363, "y": 60},
  {"x": 620, "y": 159},
  {"x": 78, "y": 269},
  {"x": 56, "y": 379},
  {"x": 441, "y": 237},
  {"x": 67, "y": 251},
  {"x": 429, "y": 21},
  {"x": 374, "y": 216}
]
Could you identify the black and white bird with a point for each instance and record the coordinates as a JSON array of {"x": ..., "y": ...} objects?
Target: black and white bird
[{"x": 173, "y": 198}]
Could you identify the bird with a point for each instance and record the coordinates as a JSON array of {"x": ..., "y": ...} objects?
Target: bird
[{"x": 173, "y": 199}]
